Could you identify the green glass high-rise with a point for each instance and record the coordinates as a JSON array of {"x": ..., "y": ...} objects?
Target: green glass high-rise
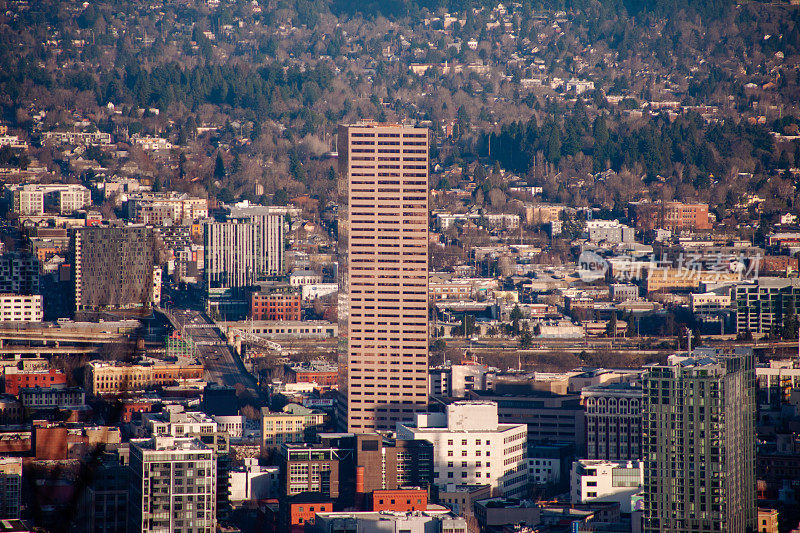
[{"x": 699, "y": 443}]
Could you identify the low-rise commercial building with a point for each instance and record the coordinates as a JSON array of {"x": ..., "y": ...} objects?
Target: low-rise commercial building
[
  {"x": 34, "y": 398},
  {"x": 389, "y": 522},
  {"x": 16, "y": 379},
  {"x": 496, "y": 512},
  {"x": 606, "y": 481},
  {"x": 103, "y": 377},
  {"x": 319, "y": 372},
  {"x": 276, "y": 304}
]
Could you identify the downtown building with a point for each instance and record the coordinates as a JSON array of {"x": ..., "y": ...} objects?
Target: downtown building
[
  {"x": 699, "y": 443},
  {"x": 471, "y": 446},
  {"x": 383, "y": 269},
  {"x": 244, "y": 249},
  {"x": 116, "y": 268},
  {"x": 173, "y": 486},
  {"x": 613, "y": 421},
  {"x": 762, "y": 306}
]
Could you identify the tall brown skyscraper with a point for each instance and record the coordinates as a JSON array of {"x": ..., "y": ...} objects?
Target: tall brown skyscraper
[{"x": 383, "y": 274}]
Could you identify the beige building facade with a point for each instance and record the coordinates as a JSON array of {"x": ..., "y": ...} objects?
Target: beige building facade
[{"x": 383, "y": 308}]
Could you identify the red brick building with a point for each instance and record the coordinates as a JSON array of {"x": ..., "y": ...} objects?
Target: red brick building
[
  {"x": 319, "y": 372},
  {"x": 275, "y": 305},
  {"x": 50, "y": 442},
  {"x": 675, "y": 216},
  {"x": 297, "y": 511},
  {"x": 16, "y": 379},
  {"x": 778, "y": 265},
  {"x": 400, "y": 500},
  {"x": 128, "y": 408}
]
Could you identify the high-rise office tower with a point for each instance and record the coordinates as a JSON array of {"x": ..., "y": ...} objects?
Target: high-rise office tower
[
  {"x": 173, "y": 486},
  {"x": 699, "y": 443},
  {"x": 383, "y": 269}
]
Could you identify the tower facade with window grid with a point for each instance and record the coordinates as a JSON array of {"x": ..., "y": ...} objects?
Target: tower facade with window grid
[
  {"x": 383, "y": 263},
  {"x": 699, "y": 443}
]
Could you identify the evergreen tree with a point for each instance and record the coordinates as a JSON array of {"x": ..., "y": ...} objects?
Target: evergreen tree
[{"x": 219, "y": 167}]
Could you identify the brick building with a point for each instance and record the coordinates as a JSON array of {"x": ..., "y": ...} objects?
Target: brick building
[
  {"x": 276, "y": 304},
  {"x": 400, "y": 500},
  {"x": 675, "y": 216},
  {"x": 319, "y": 372},
  {"x": 16, "y": 379}
]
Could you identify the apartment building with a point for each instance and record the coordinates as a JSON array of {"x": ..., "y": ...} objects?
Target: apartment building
[
  {"x": 610, "y": 231},
  {"x": 35, "y": 199},
  {"x": 675, "y": 216},
  {"x": 699, "y": 443},
  {"x": 115, "y": 268},
  {"x": 75, "y": 137},
  {"x": 157, "y": 208},
  {"x": 173, "y": 486},
  {"x": 240, "y": 252},
  {"x": 761, "y": 305},
  {"x": 20, "y": 308},
  {"x": 11, "y": 483},
  {"x": 19, "y": 273},
  {"x": 383, "y": 269},
  {"x": 308, "y": 467},
  {"x": 471, "y": 446}
]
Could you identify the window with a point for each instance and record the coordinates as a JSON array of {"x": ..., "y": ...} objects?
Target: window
[{"x": 591, "y": 494}]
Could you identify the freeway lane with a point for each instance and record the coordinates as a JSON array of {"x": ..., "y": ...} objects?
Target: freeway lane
[{"x": 221, "y": 365}]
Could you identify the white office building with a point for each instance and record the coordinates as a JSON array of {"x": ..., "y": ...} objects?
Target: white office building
[
  {"x": 253, "y": 482},
  {"x": 470, "y": 446},
  {"x": 20, "y": 308},
  {"x": 606, "y": 481}
]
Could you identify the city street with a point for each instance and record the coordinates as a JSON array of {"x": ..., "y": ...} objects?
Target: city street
[{"x": 221, "y": 365}]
